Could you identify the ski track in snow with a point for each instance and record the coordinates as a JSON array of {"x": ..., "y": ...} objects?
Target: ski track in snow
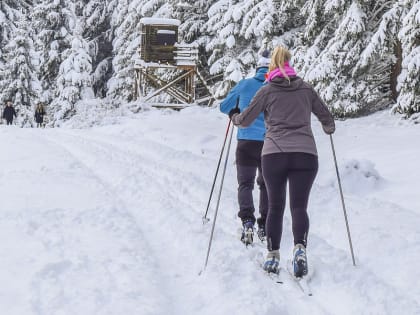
[
  {"x": 169, "y": 176},
  {"x": 93, "y": 258},
  {"x": 147, "y": 174},
  {"x": 147, "y": 209},
  {"x": 152, "y": 263}
]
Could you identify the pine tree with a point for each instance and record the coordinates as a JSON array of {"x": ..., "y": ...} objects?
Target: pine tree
[
  {"x": 18, "y": 80},
  {"x": 229, "y": 55},
  {"x": 193, "y": 15},
  {"x": 237, "y": 30},
  {"x": 338, "y": 47},
  {"x": 7, "y": 14},
  {"x": 52, "y": 38},
  {"x": 408, "y": 101},
  {"x": 74, "y": 81},
  {"x": 24, "y": 87},
  {"x": 348, "y": 51},
  {"x": 97, "y": 33},
  {"x": 8, "y": 17}
]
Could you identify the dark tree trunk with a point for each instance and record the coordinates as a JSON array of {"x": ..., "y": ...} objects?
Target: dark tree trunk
[{"x": 396, "y": 69}]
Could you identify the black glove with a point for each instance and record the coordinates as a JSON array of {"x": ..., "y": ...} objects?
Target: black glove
[
  {"x": 236, "y": 110},
  {"x": 329, "y": 130}
]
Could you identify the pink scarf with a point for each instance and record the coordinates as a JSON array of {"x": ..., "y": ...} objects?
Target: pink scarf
[{"x": 277, "y": 73}]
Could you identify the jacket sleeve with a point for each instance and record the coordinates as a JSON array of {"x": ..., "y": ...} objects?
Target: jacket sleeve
[
  {"x": 321, "y": 111},
  {"x": 230, "y": 101},
  {"x": 248, "y": 116},
  {"x": 14, "y": 112}
]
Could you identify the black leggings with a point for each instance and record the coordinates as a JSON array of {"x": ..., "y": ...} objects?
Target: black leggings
[{"x": 299, "y": 170}]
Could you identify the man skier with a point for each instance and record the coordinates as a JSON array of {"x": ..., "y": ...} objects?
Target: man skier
[{"x": 248, "y": 152}]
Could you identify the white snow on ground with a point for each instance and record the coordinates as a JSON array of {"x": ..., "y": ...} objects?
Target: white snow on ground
[{"x": 108, "y": 220}]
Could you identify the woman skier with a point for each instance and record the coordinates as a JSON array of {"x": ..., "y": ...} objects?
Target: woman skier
[{"x": 289, "y": 154}]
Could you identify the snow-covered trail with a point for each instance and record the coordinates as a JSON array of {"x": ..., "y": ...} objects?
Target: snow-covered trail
[
  {"x": 116, "y": 227},
  {"x": 69, "y": 244}
]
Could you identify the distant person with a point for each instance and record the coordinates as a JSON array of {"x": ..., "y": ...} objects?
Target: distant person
[
  {"x": 289, "y": 155},
  {"x": 248, "y": 152},
  {"x": 9, "y": 112},
  {"x": 39, "y": 115}
]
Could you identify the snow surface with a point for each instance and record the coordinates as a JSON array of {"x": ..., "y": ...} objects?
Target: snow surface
[{"x": 108, "y": 220}]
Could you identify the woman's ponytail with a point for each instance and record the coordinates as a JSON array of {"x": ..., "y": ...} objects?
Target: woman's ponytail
[{"x": 279, "y": 57}]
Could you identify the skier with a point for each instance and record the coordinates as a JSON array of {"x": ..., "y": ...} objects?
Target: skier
[
  {"x": 39, "y": 115},
  {"x": 248, "y": 152},
  {"x": 289, "y": 154},
  {"x": 9, "y": 112}
]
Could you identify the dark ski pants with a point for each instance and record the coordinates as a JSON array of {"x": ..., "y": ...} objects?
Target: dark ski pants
[
  {"x": 248, "y": 163},
  {"x": 299, "y": 170},
  {"x": 9, "y": 121}
]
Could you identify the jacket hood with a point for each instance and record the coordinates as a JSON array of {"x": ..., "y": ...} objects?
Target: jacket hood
[
  {"x": 284, "y": 84},
  {"x": 260, "y": 73}
]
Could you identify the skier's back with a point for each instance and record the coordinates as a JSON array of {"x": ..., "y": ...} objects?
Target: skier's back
[{"x": 248, "y": 152}]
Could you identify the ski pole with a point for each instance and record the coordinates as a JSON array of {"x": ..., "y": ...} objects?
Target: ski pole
[
  {"x": 205, "y": 219},
  {"x": 342, "y": 201},
  {"x": 218, "y": 201}
]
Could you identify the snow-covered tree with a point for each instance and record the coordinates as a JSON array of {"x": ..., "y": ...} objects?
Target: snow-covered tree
[
  {"x": 18, "y": 80},
  {"x": 330, "y": 62},
  {"x": 408, "y": 101},
  {"x": 8, "y": 16},
  {"x": 4, "y": 36},
  {"x": 52, "y": 38},
  {"x": 23, "y": 88},
  {"x": 237, "y": 30},
  {"x": 360, "y": 55},
  {"x": 98, "y": 35},
  {"x": 193, "y": 16},
  {"x": 348, "y": 51},
  {"x": 229, "y": 53},
  {"x": 74, "y": 82}
]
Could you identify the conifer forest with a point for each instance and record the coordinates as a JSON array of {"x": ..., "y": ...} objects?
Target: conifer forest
[{"x": 77, "y": 56}]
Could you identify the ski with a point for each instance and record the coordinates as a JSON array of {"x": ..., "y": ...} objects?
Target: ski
[
  {"x": 276, "y": 277},
  {"x": 302, "y": 282},
  {"x": 303, "y": 285}
]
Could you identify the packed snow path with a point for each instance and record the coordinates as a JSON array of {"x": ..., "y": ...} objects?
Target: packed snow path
[{"x": 107, "y": 220}]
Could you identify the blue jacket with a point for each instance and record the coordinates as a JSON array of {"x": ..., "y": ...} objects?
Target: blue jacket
[{"x": 245, "y": 91}]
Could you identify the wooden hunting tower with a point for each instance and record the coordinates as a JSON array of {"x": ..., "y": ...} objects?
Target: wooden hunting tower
[
  {"x": 158, "y": 38},
  {"x": 159, "y": 50}
]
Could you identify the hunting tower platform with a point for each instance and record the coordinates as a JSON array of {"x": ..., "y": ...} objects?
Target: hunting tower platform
[{"x": 164, "y": 65}]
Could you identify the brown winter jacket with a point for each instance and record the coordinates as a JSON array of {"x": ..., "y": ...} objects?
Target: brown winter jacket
[{"x": 287, "y": 111}]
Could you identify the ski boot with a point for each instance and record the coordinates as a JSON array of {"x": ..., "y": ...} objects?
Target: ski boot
[
  {"x": 261, "y": 230},
  {"x": 247, "y": 233},
  {"x": 300, "y": 264},
  {"x": 271, "y": 264}
]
